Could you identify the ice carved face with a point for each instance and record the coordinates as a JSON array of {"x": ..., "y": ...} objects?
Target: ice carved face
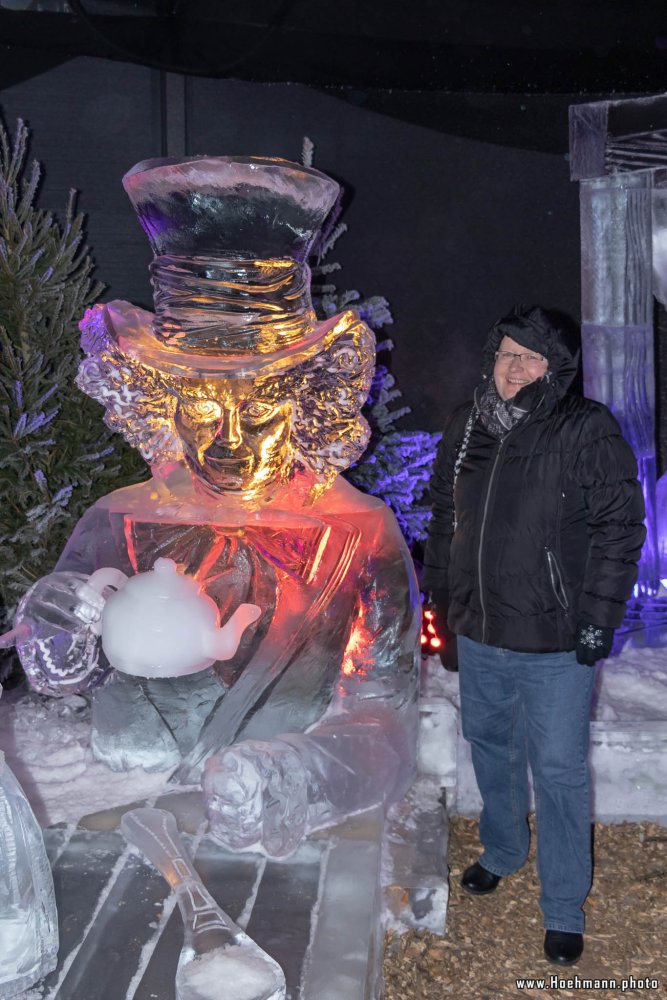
[{"x": 235, "y": 433}]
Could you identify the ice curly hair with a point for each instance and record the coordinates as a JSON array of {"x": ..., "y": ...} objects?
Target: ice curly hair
[{"x": 327, "y": 391}]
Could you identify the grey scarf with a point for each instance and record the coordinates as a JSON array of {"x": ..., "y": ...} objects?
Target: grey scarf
[{"x": 498, "y": 415}]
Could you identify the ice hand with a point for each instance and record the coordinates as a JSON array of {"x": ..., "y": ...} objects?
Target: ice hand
[
  {"x": 256, "y": 796},
  {"x": 59, "y": 653},
  {"x": 63, "y": 601},
  {"x": 90, "y": 607}
]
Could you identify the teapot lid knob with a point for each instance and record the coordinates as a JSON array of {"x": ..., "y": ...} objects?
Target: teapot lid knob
[{"x": 164, "y": 566}]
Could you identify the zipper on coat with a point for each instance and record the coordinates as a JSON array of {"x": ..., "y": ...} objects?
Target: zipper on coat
[
  {"x": 481, "y": 536},
  {"x": 513, "y": 430},
  {"x": 556, "y": 579}
]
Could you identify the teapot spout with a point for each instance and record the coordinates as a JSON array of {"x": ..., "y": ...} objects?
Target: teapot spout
[{"x": 222, "y": 643}]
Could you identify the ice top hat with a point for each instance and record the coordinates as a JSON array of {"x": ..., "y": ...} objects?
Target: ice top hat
[{"x": 231, "y": 236}]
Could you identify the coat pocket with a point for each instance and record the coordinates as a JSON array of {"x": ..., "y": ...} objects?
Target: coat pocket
[{"x": 556, "y": 578}]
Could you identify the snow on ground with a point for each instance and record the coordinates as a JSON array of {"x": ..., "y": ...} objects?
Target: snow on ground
[
  {"x": 47, "y": 744},
  {"x": 632, "y": 687}
]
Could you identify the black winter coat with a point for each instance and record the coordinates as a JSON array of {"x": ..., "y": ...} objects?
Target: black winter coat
[{"x": 549, "y": 523}]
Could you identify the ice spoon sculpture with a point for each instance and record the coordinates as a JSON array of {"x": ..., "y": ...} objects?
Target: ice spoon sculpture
[{"x": 218, "y": 960}]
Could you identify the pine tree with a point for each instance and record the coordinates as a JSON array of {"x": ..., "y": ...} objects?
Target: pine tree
[
  {"x": 56, "y": 457},
  {"x": 396, "y": 466}
]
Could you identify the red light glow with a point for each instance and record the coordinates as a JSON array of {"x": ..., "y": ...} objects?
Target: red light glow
[{"x": 430, "y": 640}]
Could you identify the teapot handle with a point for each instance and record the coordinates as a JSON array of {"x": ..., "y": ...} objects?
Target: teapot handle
[{"x": 107, "y": 577}]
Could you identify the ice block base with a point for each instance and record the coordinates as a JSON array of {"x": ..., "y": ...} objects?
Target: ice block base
[{"x": 317, "y": 913}]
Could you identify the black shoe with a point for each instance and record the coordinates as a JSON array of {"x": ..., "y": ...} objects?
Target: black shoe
[
  {"x": 563, "y": 947},
  {"x": 478, "y": 881}
]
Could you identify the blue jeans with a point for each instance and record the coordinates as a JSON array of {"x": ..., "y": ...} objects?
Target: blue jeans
[{"x": 520, "y": 708}]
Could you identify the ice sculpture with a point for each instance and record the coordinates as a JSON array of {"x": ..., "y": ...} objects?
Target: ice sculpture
[
  {"x": 247, "y": 409},
  {"x": 28, "y": 919},
  {"x": 215, "y": 950}
]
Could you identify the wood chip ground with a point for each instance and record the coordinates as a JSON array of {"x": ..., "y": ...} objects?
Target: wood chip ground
[{"x": 494, "y": 941}]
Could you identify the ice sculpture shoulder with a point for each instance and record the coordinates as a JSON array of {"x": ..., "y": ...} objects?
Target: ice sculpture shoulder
[{"x": 247, "y": 409}]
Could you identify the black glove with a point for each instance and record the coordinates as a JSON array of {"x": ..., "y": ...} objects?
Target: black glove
[
  {"x": 438, "y": 601},
  {"x": 594, "y": 643}
]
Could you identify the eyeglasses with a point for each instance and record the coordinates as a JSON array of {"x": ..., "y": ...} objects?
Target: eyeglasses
[{"x": 506, "y": 358}]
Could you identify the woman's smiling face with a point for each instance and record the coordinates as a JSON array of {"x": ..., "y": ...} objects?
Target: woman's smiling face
[{"x": 516, "y": 367}]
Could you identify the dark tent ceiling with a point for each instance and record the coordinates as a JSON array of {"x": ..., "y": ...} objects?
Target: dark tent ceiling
[
  {"x": 502, "y": 72},
  {"x": 427, "y": 45}
]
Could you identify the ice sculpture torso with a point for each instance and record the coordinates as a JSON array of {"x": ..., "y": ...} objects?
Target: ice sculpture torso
[
  {"x": 248, "y": 409},
  {"x": 327, "y": 578}
]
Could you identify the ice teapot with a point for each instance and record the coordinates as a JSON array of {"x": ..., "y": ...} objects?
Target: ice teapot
[{"x": 160, "y": 624}]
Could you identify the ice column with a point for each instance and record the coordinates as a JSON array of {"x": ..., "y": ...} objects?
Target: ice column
[
  {"x": 617, "y": 325},
  {"x": 617, "y": 148}
]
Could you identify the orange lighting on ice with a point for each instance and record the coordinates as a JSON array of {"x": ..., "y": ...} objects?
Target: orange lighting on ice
[{"x": 355, "y": 652}]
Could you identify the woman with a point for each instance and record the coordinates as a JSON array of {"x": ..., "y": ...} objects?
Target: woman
[{"x": 533, "y": 549}]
